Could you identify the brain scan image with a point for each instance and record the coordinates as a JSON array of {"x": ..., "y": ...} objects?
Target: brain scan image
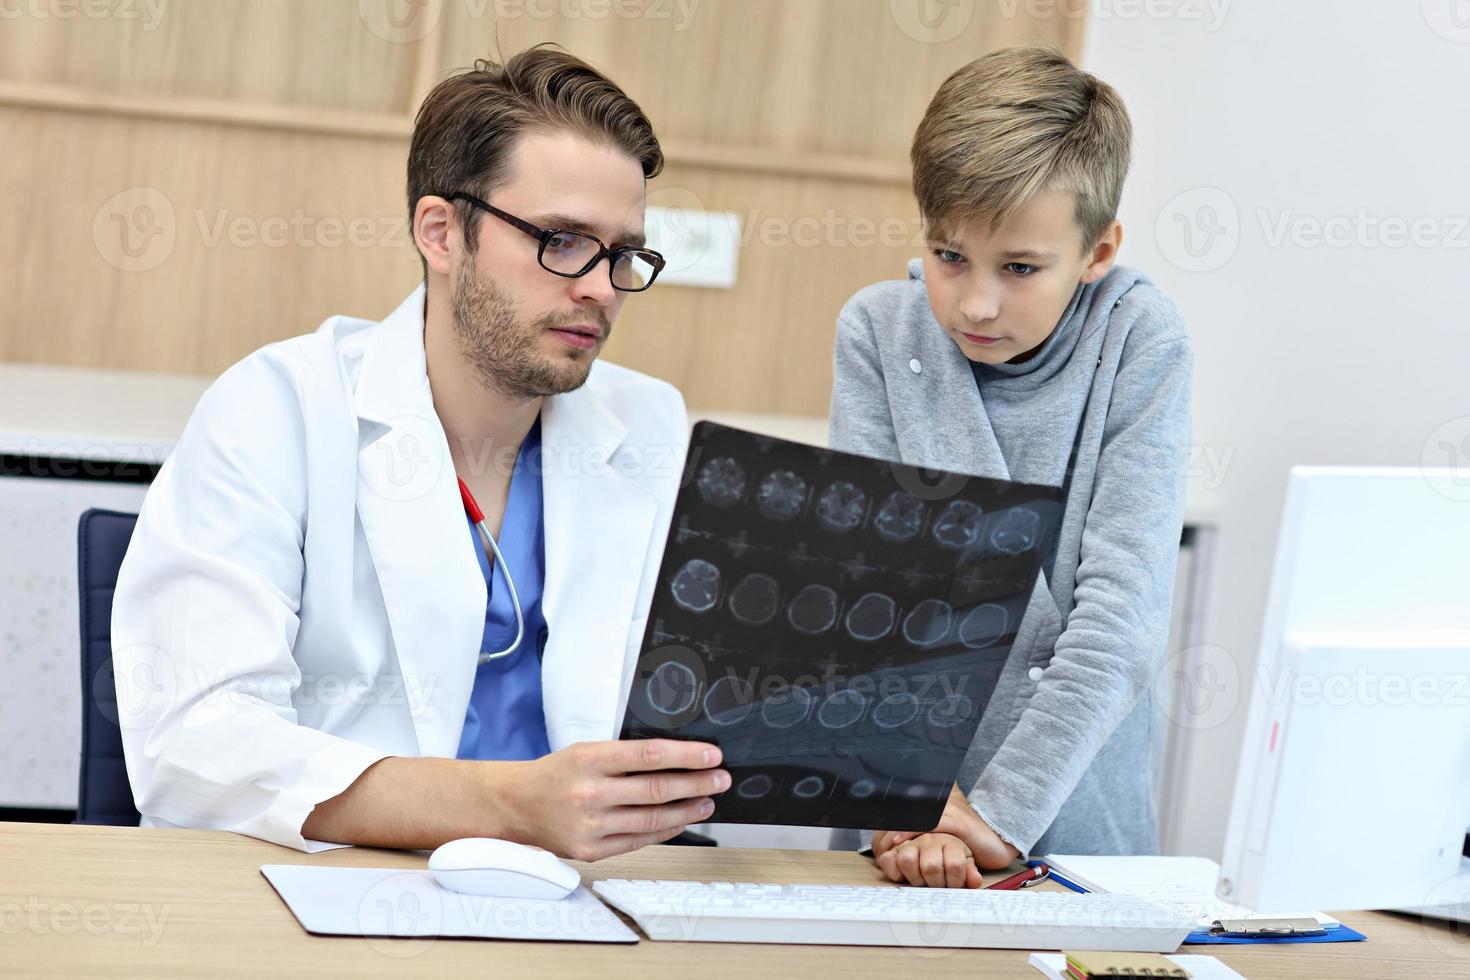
[
  {"x": 840, "y": 506},
  {"x": 754, "y": 787},
  {"x": 958, "y": 526},
  {"x": 834, "y": 626},
  {"x": 722, "y": 482},
  {"x": 842, "y": 708},
  {"x": 781, "y": 496},
  {"x": 871, "y": 617},
  {"x": 1016, "y": 531},
  {"x": 756, "y": 600},
  {"x": 809, "y": 787},
  {"x": 900, "y": 518},
  {"x": 786, "y": 706},
  {"x": 813, "y": 611},
  {"x": 928, "y": 623},
  {"x": 696, "y": 586},
  {"x": 729, "y": 701},
  {"x": 896, "y": 710},
  {"x": 950, "y": 710},
  {"x": 672, "y": 688},
  {"x": 983, "y": 625}
]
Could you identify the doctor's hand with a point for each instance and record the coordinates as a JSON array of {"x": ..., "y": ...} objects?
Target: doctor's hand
[
  {"x": 596, "y": 799},
  {"x": 959, "y": 820}
]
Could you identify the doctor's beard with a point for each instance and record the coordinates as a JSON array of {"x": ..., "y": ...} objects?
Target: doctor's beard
[{"x": 505, "y": 350}]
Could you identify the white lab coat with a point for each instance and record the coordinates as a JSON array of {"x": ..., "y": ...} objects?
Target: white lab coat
[{"x": 302, "y": 598}]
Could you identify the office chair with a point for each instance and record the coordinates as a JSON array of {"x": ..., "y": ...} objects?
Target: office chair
[{"x": 103, "y": 793}]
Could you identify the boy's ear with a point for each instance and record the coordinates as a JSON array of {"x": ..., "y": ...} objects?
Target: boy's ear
[{"x": 1104, "y": 253}]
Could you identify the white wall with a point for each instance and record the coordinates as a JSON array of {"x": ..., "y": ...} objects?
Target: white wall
[{"x": 1306, "y": 352}]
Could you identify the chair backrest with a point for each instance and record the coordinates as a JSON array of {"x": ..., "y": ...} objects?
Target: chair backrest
[{"x": 103, "y": 793}]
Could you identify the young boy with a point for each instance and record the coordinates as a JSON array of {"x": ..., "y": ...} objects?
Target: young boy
[{"x": 1014, "y": 346}]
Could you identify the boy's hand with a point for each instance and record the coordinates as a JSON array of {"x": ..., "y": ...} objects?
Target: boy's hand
[
  {"x": 960, "y": 820},
  {"x": 935, "y": 860}
]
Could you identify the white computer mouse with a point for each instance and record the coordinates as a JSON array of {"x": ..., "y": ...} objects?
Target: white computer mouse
[{"x": 502, "y": 869}]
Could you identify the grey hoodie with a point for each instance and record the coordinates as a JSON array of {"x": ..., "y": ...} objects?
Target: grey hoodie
[{"x": 1066, "y": 756}]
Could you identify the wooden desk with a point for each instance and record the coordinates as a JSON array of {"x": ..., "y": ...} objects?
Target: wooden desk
[{"x": 107, "y": 901}]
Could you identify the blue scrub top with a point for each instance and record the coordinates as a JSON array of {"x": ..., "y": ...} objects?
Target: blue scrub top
[{"x": 505, "y": 719}]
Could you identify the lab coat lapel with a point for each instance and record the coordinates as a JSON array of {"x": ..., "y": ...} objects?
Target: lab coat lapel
[
  {"x": 599, "y": 524},
  {"x": 409, "y": 504}
]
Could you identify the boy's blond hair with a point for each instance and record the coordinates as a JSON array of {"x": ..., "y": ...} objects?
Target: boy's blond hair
[{"x": 1011, "y": 124}]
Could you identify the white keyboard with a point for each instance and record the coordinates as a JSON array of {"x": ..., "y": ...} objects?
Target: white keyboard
[{"x": 858, "y": 915}]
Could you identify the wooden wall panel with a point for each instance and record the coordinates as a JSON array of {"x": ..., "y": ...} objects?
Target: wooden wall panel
[
  {"x": 179, "y": 196},
  {"x": 223, "y": 241},
  {"x": 835, "y": 76},
  {"x": 282, "y": 52}
]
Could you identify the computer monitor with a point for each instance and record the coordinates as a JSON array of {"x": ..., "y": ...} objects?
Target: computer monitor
[{"x": 1353, "y": 790}]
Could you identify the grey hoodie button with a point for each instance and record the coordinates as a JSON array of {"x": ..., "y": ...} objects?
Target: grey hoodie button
[
  {"x": 1035, "y": 674},
  {"x": 915, "y": 366}
]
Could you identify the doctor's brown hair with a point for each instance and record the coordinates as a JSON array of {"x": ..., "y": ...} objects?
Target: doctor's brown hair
[
  {"x": 468, "y": 125},
  {"x": 1012, "y": 124}
]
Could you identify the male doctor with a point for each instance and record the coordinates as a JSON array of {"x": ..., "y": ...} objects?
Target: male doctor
[{"x": 311, "y": 642}]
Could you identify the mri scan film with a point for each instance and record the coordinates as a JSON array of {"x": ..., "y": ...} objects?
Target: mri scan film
[{"x": 836, "y": 624}]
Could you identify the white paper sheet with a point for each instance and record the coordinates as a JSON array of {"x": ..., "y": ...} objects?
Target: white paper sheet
[
  {"x": 1183, "y": 883},
  {"x": 410, "y": 904}
]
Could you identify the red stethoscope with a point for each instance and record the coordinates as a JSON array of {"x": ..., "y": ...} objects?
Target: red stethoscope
[{"x": 478, "y": 516}]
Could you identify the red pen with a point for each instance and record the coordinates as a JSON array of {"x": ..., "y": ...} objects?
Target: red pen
[{"x": 1023, "y": 878}]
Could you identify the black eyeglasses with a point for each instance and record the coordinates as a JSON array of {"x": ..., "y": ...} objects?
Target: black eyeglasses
[{"x": 571, "y": 254}]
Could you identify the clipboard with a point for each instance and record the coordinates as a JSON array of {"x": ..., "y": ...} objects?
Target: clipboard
[{"x": 1340, "y": 933}]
